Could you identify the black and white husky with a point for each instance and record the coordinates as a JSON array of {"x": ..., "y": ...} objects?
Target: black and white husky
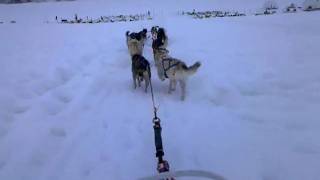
[
  {"x": 159, "y": 37},
  {"x": 173, "y": 69}
]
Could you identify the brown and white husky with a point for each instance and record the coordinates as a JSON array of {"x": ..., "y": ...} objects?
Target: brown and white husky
[{"x": 173, "y": 69}]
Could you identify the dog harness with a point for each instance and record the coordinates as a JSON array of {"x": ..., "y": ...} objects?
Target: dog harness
[{"x": 169, "y": 67}]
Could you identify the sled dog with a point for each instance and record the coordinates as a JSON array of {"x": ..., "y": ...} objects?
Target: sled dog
[
  {"x": 135, "y": 41},
  {"x": 140, "y": 71},
  {"x": 173, "y": 69},
  {"x": 160, "y": 38}
]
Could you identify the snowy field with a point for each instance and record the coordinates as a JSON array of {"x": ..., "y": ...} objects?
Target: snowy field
[{"x": 68, "y": 110}]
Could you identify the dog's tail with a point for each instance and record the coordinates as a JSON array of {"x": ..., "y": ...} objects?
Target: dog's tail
[
  {"x": 192, "y": 69},
  {"x": 127, "y": 33}
]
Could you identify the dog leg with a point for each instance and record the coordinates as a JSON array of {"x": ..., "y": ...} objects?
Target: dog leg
[
  {"x": 134, "y": 80},
  {"x": 170, "y": 86},
  {"x": 174, "y": 84},
  {"x": 183, "y": 89},
  {"x": 139, "y": 81}
]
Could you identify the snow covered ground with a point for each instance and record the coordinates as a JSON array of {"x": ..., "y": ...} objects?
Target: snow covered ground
[{"x": 68, "y": 109}]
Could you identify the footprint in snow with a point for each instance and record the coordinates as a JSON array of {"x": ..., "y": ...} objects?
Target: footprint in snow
[
  {"x": 58, "y": 132},
  {"x": 296, "y": 127},
  {"x": 269, "y": 177},
  {"x": 2, "y": 165},
  {"x": 105, "y": 125},
  {"x": 63, "y": 96},
  {"x": 3, "y": 132},
  {"x": 86, "y": 172},
  {"x": 6, "y": 117},
  {"x": 55, "y": 103},
  {"x": 20, "y": 109},
  {"x": 37, "y": 160},
  {"x": 43, "y": 87},
  {"x": 24, "y": 92},
  {"x": 85, "y": 60},
  {"x": 252, "y": 119},
  {"x": 63, "y": 75},
  {"x": 220, "y": 97},
  {"x": 306, "y": 149},
  {"x": 250, "y": 92},
  {"x": 65, "y": 99},
  {"x": 53, "y": 108}
]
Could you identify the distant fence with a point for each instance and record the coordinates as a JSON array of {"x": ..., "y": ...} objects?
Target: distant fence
[{"x": 106, "y": 19}]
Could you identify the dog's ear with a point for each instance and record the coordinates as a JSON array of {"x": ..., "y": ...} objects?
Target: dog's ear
[
  {"x": 161, "y": 30},
  {"x": 145, "y": 30},
  {"x": 154, "y": 28},
  {"x": 127, "y": 33}
]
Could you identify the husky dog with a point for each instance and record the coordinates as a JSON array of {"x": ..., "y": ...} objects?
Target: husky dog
[
  {"x": 173, "y": 69},
  {"x": 140, "y": 36},
  {"x": 154, "y": 30},
  {"x": 160, "y": 39},
  {"x": 135, "y": 41},
  {"x": 140, "y": 71}
]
